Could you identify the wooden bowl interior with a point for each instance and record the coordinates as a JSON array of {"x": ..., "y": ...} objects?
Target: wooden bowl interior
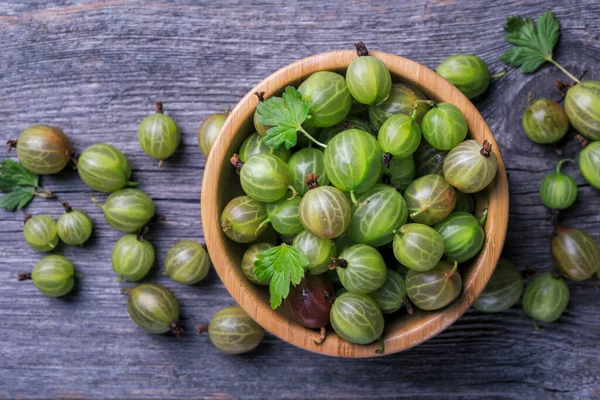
[{"x": 221, "y": 184}]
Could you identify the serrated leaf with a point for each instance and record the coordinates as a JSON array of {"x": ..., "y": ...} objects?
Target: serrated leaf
[
  {"x": 16, "y": 199},
  {"x": 12, "y": 173}
]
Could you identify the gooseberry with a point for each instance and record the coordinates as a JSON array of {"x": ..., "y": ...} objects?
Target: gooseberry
[
  {"x": 304, "y": 162},
  {"x": 399, "y": 136},
  {"x": 242, "y": 219},
  {"x": 574, "y": 252},
  {"x": 232, "y": 331},
  {"x": 463, "y": 235},
  {"x": 361, "y": 268},
  {"x": 43, "y": 149},
  {"x": 589, "y": 162},
  {"x": 430, "y": 199},
  {"x": 54, "y": 276},
  {"x": 328, "y": 97},
  {"x": 429, "y": 160},
  {"x": 368, "y": 78},
  {"x": 401, "y": 172},
  {"x": 434, "y": 289},
  {"x": 418, "y": 247},
  {"x": 209, "y": 130},
  {"x": 154, "y": 308},
  {"x": 187, "y": 262},
  {"x": 390, "y": 296},
  {"x": 104, "y": 168},
  {"x": 356, "y": 318},
  {"x": 582, "y": 103},
  {"x": 444, "y": 126},
  {"x": 132, "y": 257},
  {"x": 317, "y": 250},
  {"x": 400, "y": 101},
  {"x": 558, "y": 190},
  {"x": 248, "y": 261},
  {"x": 545, "y": 297},
  {"x": 159, "y": 135},
  {"x": 283, "y": 216},
  {"x": 469, "y": 73},
  {"x": 503, "y": 289},
  {"x": 545, "y": 121},
  {"x": 74, "y": 227},
  {"x": 471, "y": 166},
  {"x": 324, "y": 210},
  {"x": 254, "y": 144},
  {"x": 40, "y": 232},
  {"x": 127, "y": 210},
  {"x": 265, "y": 177},
  {"x": 261, "y": 128},
  {"x": 464, "y": 202},
  {"x": 349, "y": 123}
]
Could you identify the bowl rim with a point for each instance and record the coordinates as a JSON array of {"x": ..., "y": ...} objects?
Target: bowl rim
[{"x": 276, "y": 323}]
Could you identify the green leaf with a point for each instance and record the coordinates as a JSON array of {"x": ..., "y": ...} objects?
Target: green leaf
[
  {"x": 13, "y": 174},
  {"x": 285, "y": 117},
  {"x": 17, "y": 198},
  {"x": 534, "y": 46},
  {"x": 284, "y": 265}
]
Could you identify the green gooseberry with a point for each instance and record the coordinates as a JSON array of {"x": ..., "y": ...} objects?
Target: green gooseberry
[
  {"x": 557, "y": 190},
  {"x": 242, "y": 219},
  {"x": 545, "y": 298},
  {"x": 469, "y": 73},
  {"x": 444, "y": 126},
  {"x": 132, "y": 257},
  {"x": 304, "y": 162},
  {"x": 248, "y": 262},
  {"x": 401, "y": 172},
  {"x": 471, "y": 166},
  {"x": 361, "y": 268},
  {"x": 463, "y": 235},
  {"x": 128, "y": 210},
  {"x": 400, "y": 101},
  {"x": 429, "y": 160},
  {"x": 154, "y": 308},
  {"x": 328, "y": 97},
  {"x": 399, "y": 136},
  {"x": 104, "y": 168},
  {"x": 353, "y": 161},
  {"x": 574, "y": 252},
  {"x": 369, "y": 80},
  {"x": 582, "y": 103},
  {"x": 464, "y": 202},
  {"x": 262, "y": 128},
  {"x": 209, "y": 130},
  {"x": 356, "y": 318},
  {"x": 232, "y": 331},
  {"x": 349, "y": 123},
  {"x": 187, "y": 262},
  {"x": 40, "y": 233},
  {"x": 318, "y": 250},
  {"x": 283, "y": 215},
  {"x": 390, "y": 296},
  {"x": 418, "y": 247},
  {"x": 589, "y": 160},
  {"x": 382, "y": 211},
  {"x": 503, "y": 289},
  {"x": 545, "y": 121},
  {"x": 254, "y": 144},
  {"x": 434, "y": 289},
  {"x": 43, "y": 149},
  {"x": 325, "y": 212},
  {"x": 430, "y": 199},
  {"x": 74, "y": 227},
  {"x": 265, "y": 177},
  {"x": 159, "y": 135},
  {"x": 342, "y": 243},
  {"x": 54, "y": 276}
]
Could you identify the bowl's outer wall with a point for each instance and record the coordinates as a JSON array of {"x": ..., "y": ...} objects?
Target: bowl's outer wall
[{"x": 221, "y": 184}]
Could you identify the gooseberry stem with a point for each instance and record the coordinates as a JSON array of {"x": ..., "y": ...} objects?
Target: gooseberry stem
[
  {"x": 11, "y": 144},
  {"x": 67, "y": 206},
  {"x": 159, "y": 107},
  {"x": 561, "y": 163},
  {"x": 337, "y": 263},
  {"x": 24, "y": 277},
  {"x": 361, "y": 49},
  {"x": 486, "y": 150},
  {"x": 430, "y": 103},
  {"x": 406, "y": 303},
  {"x": 398, "y": 233},
  {"x": 200, "y": 329},
  {"x": 355, "y": 201},
  {"x": 96, "y": 202},
  {"x": 262, "y": 224},
  {"x": 322, "y": 336},
  {"x": 570, "y": 75},
  {"x": 43, "y": 193},
  {"x": 484, "y": 216},
  {"x": 312, "y": 181},
  {"x": 132, "y": 183},
  {"x": 315, "y": 141},
  {"x": 160, "y": 163},
  {"x": 452, "y": 271},
  {"x": 537, "y": 327},
  {"x": 381, "y": 348},
  {"x": 236, "y": 162},
  {"x": 142, "y": 235},
  {"x": 583, "y": 142},
  {"x": 294, "y": 192},
  {"x": 126, "y": 290},
  {"x": 176, "y": 330},
  {"x": 260, "y": 95},
  {"x": 498, "y": 74},
  {"x": 386, "y": 159}
]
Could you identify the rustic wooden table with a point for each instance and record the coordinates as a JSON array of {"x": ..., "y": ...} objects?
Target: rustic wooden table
[{"x": 95, "y": 68}]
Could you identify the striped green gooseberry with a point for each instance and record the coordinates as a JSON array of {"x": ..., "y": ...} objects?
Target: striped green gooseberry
[
  {"x": 356, "y": 318},
  {"x": 318, "y": 251},
  {"x": 43, "y": 149},
  {"x": 399, "y": 136},
  {"x": 248, "y": 262},
  {"x": 283, "y": 215},
  {"x": 463, "y": 235},
  {"x": 401, "y": 172},
  {"x": 589, "y": 164},
  {"x": 232, "y": 331},
  {"x": 254, "y": 144},
  {"x": 418, "y": 247},
  {"x": 324, "y": 210},
  {"x": 574, "y": 252},
  {"x": 264, "y": 177},
  {"x": 434, "y": 289},
  {"x": 353, "y": 162},
  {"x": 40, "y": 232},
  {"x": 469, "y": 73},
  {"x": 558, "y": 190},
  {"x": 444, "y": 126},
  {"x": 304, "y": 162},
  {"x": 400, "y": 101},
  {"x": 127, "y": 210},
  {"x": 464, "y": 202},
  {"x": 361, "y": 268},
  {"x": 545, "y": 121},
  {"x": 154, "y": 308},
  {"x": 187, "y": 262},
  {"x": 242, "y": 219},
  {"x": 545, "y": 297},
  {"x": 328, "y": 97},
  {"x": 349, "y": 123},
  {"x": 503, "y": 290},
  {"x": 382, "y": 211},
  {"x": 159, "y": 135},
  {"x": 582, "y": 105},
  {"x": 103, "y": 167},
  {"x": 54, "y": 276},
  {"x": 369, "y": 81},
  {"x": 429, "y": 160},
  {"x": 430, "y": 199},
  {"x": 209, "y": 130},
  {"x": 391, "y": 295},
  {"x": 74, "y": 227},
  {"x": 471, "y": 166},
  {"x": 132, "y": 257}
]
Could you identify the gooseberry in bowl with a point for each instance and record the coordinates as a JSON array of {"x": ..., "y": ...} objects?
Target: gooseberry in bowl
[
  {"x": 471, "y": 166},
  {"x": 418, "y": 247},
  {"x": 391, "y": 295},
  {"x": 400, "y": 101},
  {"x": 429, "y": 160},
  {"x": 435, "y": 288},
  {"x": 324, "y": 210},
  {"x": 357, "y": 318},
  {"x": 368, "y": 79},
  {"x": 430, "y": 199},
  {"x": 254, "y": 144},
  {"x": 444, "y": 126},
  {"x": 265, "y": 177},
  {"x": 318, "y": 250},
  {"x": 304, "y": 162},
  {"x": 328, "y": 96},
  {"x": 361, "y": 269}
]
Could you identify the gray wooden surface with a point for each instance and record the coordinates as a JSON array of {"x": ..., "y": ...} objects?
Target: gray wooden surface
[{"x": 95, "y": 68}]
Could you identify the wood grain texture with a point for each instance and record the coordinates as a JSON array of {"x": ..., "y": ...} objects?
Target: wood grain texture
[{"x": 95, "y": 69}]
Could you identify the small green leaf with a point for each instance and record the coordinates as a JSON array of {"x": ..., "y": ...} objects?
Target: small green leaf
[
  {"x": 17, "y": 198},
  {"x": 284, "y": 265},
  {"x": 13, "y": 173}
]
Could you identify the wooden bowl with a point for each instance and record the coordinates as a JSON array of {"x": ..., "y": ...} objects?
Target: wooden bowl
[{"x": 221, "y": 184}]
